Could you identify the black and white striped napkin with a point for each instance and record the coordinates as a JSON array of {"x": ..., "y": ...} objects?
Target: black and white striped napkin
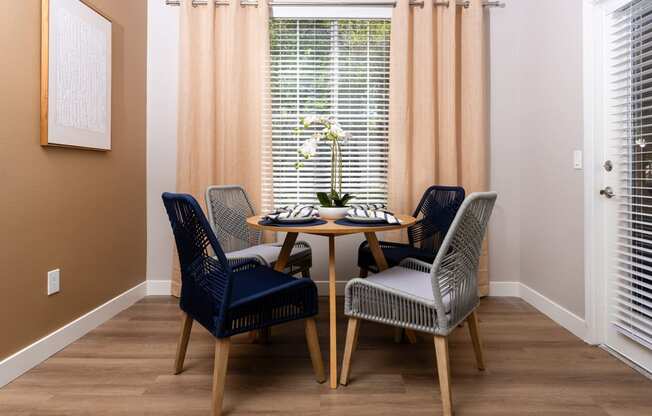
[
  {"x": 291, "y": 212},
  {"x": 372, "y": 211}
]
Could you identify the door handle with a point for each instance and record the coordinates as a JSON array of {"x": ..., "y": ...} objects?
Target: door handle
[{"x": 608, "y": 192}]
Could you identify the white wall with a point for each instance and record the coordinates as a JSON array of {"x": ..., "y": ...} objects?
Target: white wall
[
  {"x": 162, "y": 75},
  {"x": 505, "y": 144},
  {"x": 536, "y": 123}
]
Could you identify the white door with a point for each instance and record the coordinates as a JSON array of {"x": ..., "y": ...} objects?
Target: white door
[{"x": 626, "y": 176}]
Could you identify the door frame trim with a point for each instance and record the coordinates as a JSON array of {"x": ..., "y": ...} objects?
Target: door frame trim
[
  {"x": 596, "y": 123},
  {"x": 592, "y": 100}
]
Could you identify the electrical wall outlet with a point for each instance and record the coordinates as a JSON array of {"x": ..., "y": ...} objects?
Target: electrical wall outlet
[{"x": 53, "y": 281}]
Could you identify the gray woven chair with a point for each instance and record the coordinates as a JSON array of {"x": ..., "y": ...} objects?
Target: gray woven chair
[
  {"x": 428, "y": 298},
  {"x": 228, "y": 209}
]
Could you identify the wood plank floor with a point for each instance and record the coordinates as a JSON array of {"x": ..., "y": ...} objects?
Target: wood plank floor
[{"x": 534, "y": 367}]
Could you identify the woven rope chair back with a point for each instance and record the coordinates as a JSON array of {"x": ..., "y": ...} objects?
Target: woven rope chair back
[
  {"x": 454, "y": 271},
  {"x": 435, "y": 213},
  {"x": 228, "y": 210},
  {"x": 205, "y": 279}
]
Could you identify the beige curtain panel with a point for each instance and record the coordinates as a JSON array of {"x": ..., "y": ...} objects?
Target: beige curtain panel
[
  {"x": 438, "y": 104},
  {"x": 222, "y": 84}
]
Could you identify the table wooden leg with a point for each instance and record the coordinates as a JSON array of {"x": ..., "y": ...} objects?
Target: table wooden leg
[
  {"x": 286, "y": 250},
  {"x": 381, "y": 262},
  {"x": 376, "y": 251},
  {"x": 332, "y": 312},
  {"x": 264, "y": 335}
]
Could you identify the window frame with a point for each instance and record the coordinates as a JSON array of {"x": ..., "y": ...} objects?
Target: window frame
[
  {"x": 331, "y": 12},
  {"x": 377, "y": 187}
]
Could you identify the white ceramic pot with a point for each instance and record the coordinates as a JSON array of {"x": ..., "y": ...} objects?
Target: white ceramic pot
[{"x": 332, "y": 213}]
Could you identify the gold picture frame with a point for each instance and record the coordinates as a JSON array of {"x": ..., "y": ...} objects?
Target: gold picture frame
[{"x": 83, "y": 14}]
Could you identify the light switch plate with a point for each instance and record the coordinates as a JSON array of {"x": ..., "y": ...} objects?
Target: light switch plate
[
  {"x": 53, "y": 281},
  {"x": 577, "y": 159}
]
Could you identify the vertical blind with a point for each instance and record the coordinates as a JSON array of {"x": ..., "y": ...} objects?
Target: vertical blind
[
  {"x": 631, "y": 74},
  {"x": 337, "y": 68}
]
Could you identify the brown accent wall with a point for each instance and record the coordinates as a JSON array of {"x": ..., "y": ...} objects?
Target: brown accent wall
[{"x": 77, "y": 210}]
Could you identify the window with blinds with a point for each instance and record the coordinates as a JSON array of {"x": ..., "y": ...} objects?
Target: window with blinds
[
  {"x": 330, "y": 67},
  {"x": 631, "y": 74}
]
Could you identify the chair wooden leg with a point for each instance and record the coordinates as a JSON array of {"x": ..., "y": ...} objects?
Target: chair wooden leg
[
  {"x": 357, "y": 333},
  {"x": 411, "y": 336},
  {"x": 222, "y": 346},
  {"x": 182, "y": 345},
  {"x": 363, "y": 272},
  {"x": 475, "y": 337},
  {"x": 351, "y": 338},
  {"x": 315, "y": 352},
  {"x": 444, "y": 372}
]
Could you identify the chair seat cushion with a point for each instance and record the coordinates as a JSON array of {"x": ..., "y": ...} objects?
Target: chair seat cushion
[
  {"x": 262, "y": 297},
  {"x": 394, "y": 255},
  {"x": 409, "y": 281},
  {"x": 269, "y": 253},
  {"x": 256, "y": 281}
]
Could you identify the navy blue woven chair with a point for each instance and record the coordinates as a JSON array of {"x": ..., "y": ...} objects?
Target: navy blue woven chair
[
  {"x": 232, "y": 298},
  {"x": 434, "y": 214}
]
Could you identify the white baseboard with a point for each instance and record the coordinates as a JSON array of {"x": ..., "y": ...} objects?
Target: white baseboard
[
  {"x": 559, "y": 314},
  {"x": 159, "y": 287},
  {"x": 32, "y": 355},
  {"x": 564, "y": 317},
  {"x": 505, "y": 289}
]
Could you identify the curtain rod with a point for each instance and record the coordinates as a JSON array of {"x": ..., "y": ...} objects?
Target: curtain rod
[
  {"x": 494, "y": 4},
  {"x": 459, "y": 3},
  {"x": 381, "y": 3},
  {"x": 387, "y": 3}
]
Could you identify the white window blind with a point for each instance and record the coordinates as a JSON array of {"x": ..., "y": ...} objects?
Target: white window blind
[
  {"x": 337, "y": 67},
  {"x": 631, "y": 75}
]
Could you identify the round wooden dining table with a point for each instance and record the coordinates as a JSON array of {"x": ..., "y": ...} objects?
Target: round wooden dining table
[{"x": 331, "y": 230}]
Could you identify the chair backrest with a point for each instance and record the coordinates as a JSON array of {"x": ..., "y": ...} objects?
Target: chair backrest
[
  {"x": 228, "y": 209},
  {"x": 435, "y": 213},
  {"x": 206, "y": 280},
  {"x": 454, "y": 271}
]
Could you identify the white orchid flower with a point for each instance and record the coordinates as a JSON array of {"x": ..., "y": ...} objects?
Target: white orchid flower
[
  {"x": 324, "y": 128},
  {"x": 309, "y": 148},
  {"x": 308, "y": 121},
  {"x": 337, "y": 131}
]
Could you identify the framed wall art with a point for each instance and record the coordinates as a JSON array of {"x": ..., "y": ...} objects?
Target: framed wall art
[{"x": 75, "y": 76}]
